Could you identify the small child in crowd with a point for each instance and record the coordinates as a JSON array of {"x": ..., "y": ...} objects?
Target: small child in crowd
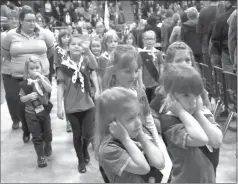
[
  {"x": 130, "y": 39},
  {"x": 34, "y": 93},
  {"x": 180, "y": 52},
  {"x": 185, "y": 127},
  {"x": 109, "y": 42},
  {"x": 74, "y": 87},
  {"x": 119, "y": 131},
  {"x": 96, "y": 49},
  {"x": 177, "y": 52},
  {"x": 60, "y": 51},
  {"x": 152, "y": 64},
  {"x": 124, "y": 72}
]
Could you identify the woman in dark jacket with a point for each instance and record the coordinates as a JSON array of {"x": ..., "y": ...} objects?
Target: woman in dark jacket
[{"x": 189, "y": 35}]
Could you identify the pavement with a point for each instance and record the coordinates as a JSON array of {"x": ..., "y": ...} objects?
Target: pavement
[{"x": 18, "y": 160}]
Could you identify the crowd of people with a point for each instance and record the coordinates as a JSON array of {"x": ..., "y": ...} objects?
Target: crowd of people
[{"x": 130, "y": 96}]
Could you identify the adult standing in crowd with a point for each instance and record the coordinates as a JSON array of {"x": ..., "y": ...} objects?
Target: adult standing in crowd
[
  {"x": 232, "y": 38},
  {"x": 189, "y": 35},
  {"x": 10, "y": 95},
  {"x": 206, "y": 16},
  {"x": 175, "y": 35},
  {"x": 18, "y": 45},
  {"x": 166, "y": 29},
  {"x": 219, "y": 38}
]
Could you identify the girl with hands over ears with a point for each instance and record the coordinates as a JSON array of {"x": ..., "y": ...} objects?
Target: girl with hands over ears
[
  {"x": 34, "y": 90},
  {"x": 118, "y": 132},
  {"x": 185, "y": 127}
]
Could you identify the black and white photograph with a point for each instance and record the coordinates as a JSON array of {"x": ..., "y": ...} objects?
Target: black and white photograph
[{"x": 113, "y": 91}]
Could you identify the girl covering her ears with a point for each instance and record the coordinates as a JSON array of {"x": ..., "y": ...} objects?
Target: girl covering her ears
[
  {"x": 118, "y": 134},
  {"x": 185, "y": 127},
  {"x": 124, "y": 71},
  {"x": 180, "y": 52},
  {"x": 74, "y": 88},
  {"x": 34, "y": 90}
]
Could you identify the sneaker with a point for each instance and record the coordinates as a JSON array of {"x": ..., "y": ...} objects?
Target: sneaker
[
  {"x": 48, "y": 149},
  {"x": 68, "y": 127},
  {"x": 86, "y": 156},
  {"x": 81, "y": 167},
  {"x": 41, "y": 161},
  {"x": 26, "y": 138},
  {"x": 15, "y": 125}
]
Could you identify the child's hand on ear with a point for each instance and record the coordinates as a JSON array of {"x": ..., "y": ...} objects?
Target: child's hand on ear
[
  {"x": 118, "y": 131},
  {"x": 199, "y": 105},
  {"x": 175, "y": 107}
]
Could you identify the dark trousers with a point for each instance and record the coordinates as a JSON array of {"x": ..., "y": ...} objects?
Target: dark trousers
[
  {"x": 12, "y": 98},
  {"x": 40, "y": 128},
  {"x": 20, "y": 106},
  {"x": 82, "y": 124},
  {"x": 150, "y": 93}
]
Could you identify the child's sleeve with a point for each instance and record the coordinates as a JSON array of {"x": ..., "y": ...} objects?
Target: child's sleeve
[
  {"x": 60, "y": 76},
  {"x": 160, "y": 58},
  {"x": 56, "y": 58},
  {"x": 114, "y": 159},
  {"x": 208, "y": 114},
  {"x": 174, "y": 131},
  {"x": 149, "y": 121}
]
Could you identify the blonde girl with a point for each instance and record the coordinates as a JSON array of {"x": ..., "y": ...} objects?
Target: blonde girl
[
  {"x": 34, "y": 90},
  {"x": 118, "y": 134},
  {"x": 179, "y": 52},
  {"x": 124, "y": 72},
  {"x": 60, "y": 51},
  {"x": 109, "y": 42},
  {"x": 74, "y": 88},
  {"x": 185, "y": 127},
  {"x": 96, "y": 49}
]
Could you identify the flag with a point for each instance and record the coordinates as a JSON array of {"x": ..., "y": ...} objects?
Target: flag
[
  {"x": 117, "y": 11},
  {"x": 106, "y": 16}
]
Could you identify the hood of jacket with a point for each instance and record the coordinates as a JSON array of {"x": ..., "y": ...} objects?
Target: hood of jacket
[{"x": 191, "y": 23}]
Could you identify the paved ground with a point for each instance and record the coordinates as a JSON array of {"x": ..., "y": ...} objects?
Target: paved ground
[{"x": 18, "y": 160}]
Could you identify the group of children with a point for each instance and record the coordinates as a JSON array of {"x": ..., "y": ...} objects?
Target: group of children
[{"x": 138, "y": 135}]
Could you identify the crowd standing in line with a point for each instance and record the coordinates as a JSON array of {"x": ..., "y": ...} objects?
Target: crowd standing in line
[{"x": 130, "y": 90}]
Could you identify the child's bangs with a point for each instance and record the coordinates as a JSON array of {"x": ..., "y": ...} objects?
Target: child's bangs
[
  {"x": 187, "y": 85},
  {"x": 128, "y": 59}
]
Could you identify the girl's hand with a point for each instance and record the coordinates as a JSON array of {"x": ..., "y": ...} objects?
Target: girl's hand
[
  {"x": 85, "y": 48},
  {"x": 199, "y": 105},
  {"x": 33, "y": 96},
  {"x": 60, "y": 113},
  {"x": 143, "y": 86},
  {"x": 96, "y": 94},
  {"x": 207, "y": 103},
  {"x": 175, "y": 107},
  {"x": 38, "y": 75},
  {"x": 118, "y": 131}
]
